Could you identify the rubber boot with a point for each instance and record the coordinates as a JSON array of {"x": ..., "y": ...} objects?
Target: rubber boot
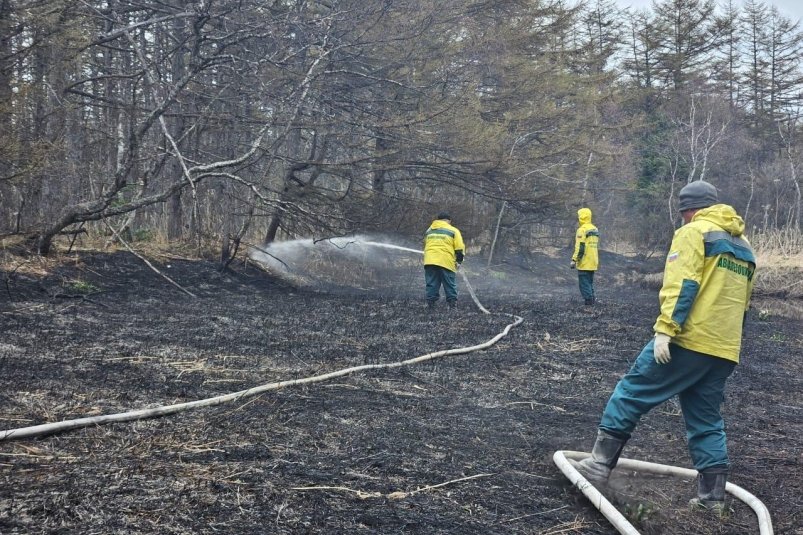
[
  {"x": 604, "y": 456},
  {"x": 711, "y": 490}
]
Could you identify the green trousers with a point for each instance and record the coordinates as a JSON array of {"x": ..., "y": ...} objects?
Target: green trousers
[
  {"x": 437, "y": 276},
  {"x": 699, "y": 382},
  {"x": 586, "y": 281}
]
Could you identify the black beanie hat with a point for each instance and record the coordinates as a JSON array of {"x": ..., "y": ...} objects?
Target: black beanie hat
[
  {"x": 444, "y": 215},
  {"x": 697, "y": 194}
]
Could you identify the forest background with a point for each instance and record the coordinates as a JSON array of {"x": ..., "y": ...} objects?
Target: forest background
[{"x": 222, "y": 124}]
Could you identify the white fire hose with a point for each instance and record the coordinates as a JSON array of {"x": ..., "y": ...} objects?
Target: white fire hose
[
  {"x": 616, "y": 518},
  {"x": 141, "y": 414}
]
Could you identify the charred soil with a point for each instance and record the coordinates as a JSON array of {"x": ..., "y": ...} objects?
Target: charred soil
[{"x": 456, "y": 444}]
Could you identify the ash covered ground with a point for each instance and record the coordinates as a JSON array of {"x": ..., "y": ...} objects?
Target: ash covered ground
[{"x": 458, "y": 444}]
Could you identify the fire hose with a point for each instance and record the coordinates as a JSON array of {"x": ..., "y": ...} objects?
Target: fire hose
[{"x": 618, "y": 520}]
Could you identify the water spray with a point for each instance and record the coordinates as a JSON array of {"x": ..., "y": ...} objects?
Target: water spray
[
  {"x": 391, "y": 246},
  {"x": 281, "y": 255}
]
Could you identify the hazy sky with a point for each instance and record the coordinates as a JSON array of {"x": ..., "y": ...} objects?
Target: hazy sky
[{"x": 791, "y": 8}]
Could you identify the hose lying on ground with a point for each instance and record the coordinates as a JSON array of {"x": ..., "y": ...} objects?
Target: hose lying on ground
[
  {"x": 141, "y": 414},
  {"x": 616, "y": 518}
]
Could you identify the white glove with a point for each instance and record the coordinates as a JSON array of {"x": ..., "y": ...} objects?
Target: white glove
[
  {"x": 573, "y": 264},
  {"x": 661, "y": 348}
]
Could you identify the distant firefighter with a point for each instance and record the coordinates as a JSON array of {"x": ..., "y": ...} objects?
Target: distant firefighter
[
  {"x": 443, "y": 254},
  {"x": 708, "y": 281},
  {"x": 586, "y": 256}
]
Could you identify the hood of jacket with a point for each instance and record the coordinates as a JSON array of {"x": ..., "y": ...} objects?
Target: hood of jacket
[
  {"x": 584, "y": 216},
  {"x": 440, "y": 223},
  {"x": 723, "y": 216}
]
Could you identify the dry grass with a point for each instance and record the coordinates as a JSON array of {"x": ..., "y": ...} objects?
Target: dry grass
[
  {"x": 14, "y": 258},
  {"x": 785, "y": 243},
  {"x": 768, "y": 307},
  {"x": 634, "y": 278},
  {"x": 31, "y": 265},
  {"x": 780, "y": 281},
  {"x": 779, "y": 254}
]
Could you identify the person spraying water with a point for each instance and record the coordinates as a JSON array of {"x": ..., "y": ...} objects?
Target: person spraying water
[
  {"x": 443, "y": 253},
  {"x": 408, "y": 249}
]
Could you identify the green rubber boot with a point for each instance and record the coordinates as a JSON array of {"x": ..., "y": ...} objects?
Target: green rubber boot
[
  {"x": 604, "y": 456},
  {"x": 711, "y": 490}
]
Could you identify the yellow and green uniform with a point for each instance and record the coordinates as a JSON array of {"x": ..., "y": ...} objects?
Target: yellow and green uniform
[
  {"x": 586, "y": 242},
  {"x": 708, "y": 280},
  {"x": 443, "y": 245},
  {"x": 443, "y": 251},
  {"x": 586, "y": 254}
]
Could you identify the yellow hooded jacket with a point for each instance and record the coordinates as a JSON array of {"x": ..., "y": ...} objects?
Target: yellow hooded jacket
[
  {"x": 443, "y": 245},
  {"x": 708, "y": 280},
  {"x": 586, "y": 255}
]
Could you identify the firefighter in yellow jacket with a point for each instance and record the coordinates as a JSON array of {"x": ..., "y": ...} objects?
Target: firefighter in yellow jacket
[
  {"x": 586, "y": 254},
  {"x": 708, "y": 280},
  {"x": 443, "y": 253}
]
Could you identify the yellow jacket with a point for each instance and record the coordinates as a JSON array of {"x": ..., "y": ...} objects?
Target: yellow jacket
[
  {"x": 586, "y": 241},
  {"x": 708, "y": 280},
  {"x": 443, "y": 245}
]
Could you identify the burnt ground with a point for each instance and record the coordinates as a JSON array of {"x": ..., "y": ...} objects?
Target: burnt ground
[{"x": 458, "y": 444}]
